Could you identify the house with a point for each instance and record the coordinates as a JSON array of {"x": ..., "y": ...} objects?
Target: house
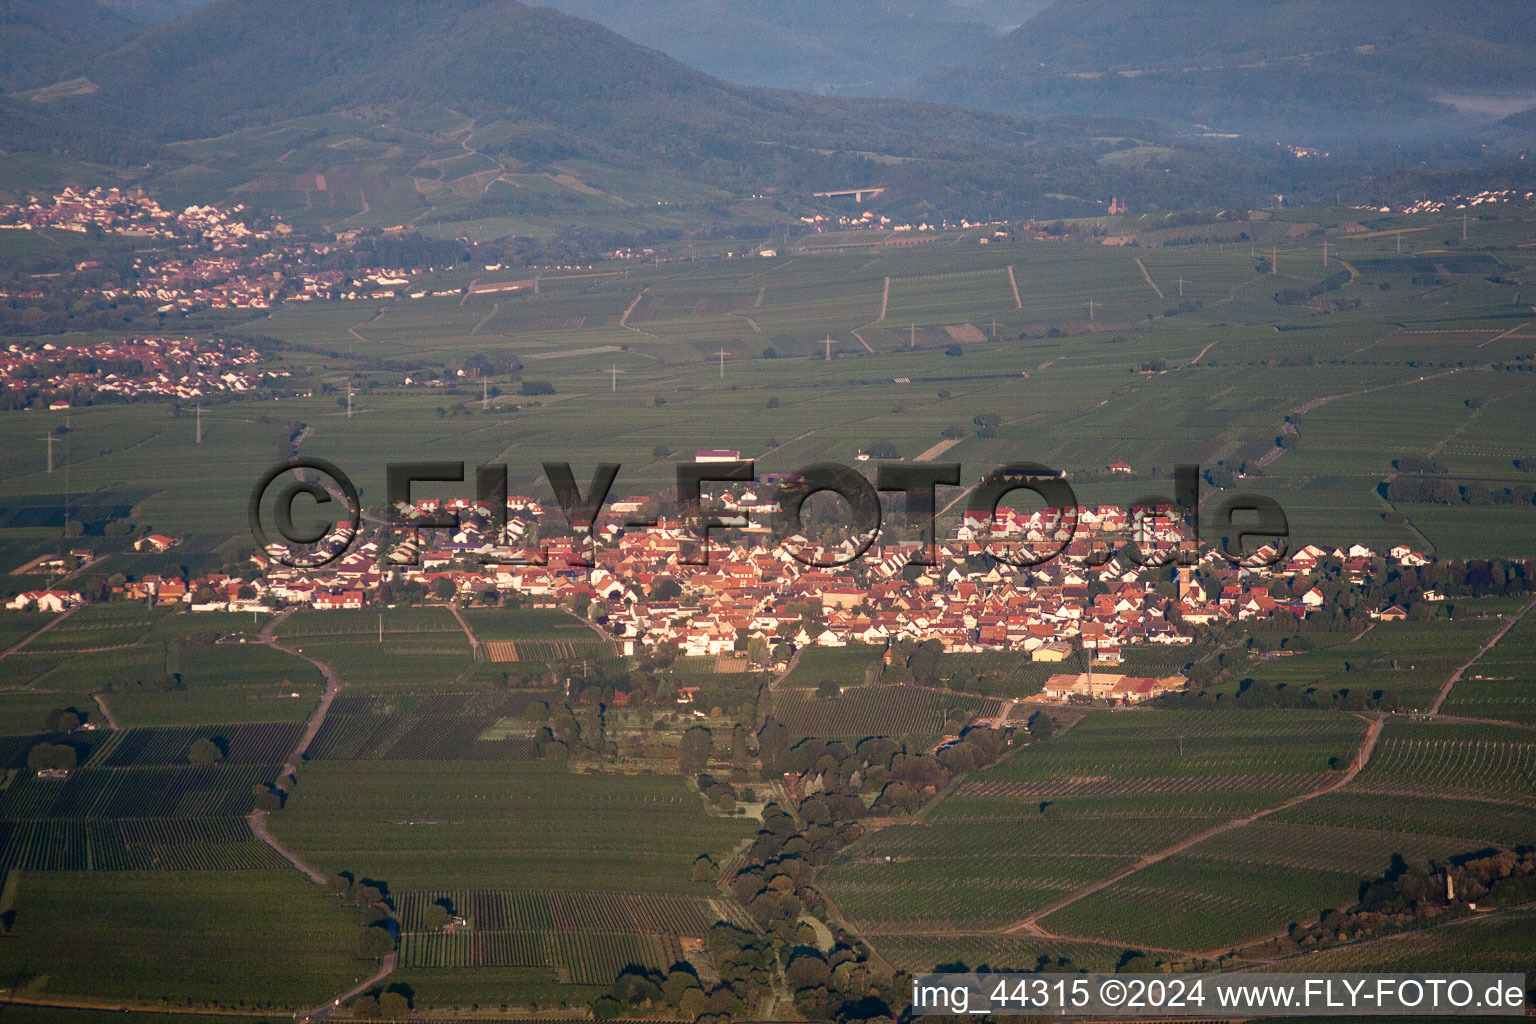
[
  {"x": 716, "y": 455},
  {"x": 44, "y": 600},
  {"x": 156, "y": 542},
  {"x": 1396, "y": 613},
  {"x": 347, "y": 599},
  {"x": 1055, "y": 651}
]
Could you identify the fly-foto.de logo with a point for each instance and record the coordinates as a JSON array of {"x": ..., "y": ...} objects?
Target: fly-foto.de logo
[{"x": 1244, "y": 528}]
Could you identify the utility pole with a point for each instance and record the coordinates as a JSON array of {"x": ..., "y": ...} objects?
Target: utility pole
[
  {"x": 49, "y": 439},
  {"x": 1090, "y": 309},
  {"x": 199, "y": 422},
  {"x": 914, "y": 336},
  {"x": 1181, "y": 287},
  {"x": 1274, "y": 259},
  {"x": 1325, "y": 252},
  {"x": 722, "y": 354},
  {"x": 1463, "y": 227},
  {"x": 485, "y": 393},
  {"x": 615, "y": 378},
  {"x": 829, "y": 348},
  {"x": 381, "y": 627},
  {"x": 349, "y": 399},
  {"x": 1399, "y": 242},
  {"x": 994, "y": 328}
]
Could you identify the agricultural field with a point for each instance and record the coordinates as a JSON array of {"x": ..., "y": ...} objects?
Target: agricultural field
[
  {"x": 424, "y": 776},
  {"x": 1400, "y": 373},
  {"x": 439, "y": 727},
  {"x": 1064, "y": 813},
  {"x": 905, "y": 712},
  {"x": 849, "y": 665},
  {"x": 1430, "y": 791},
  {"x": 584, "y": 938},
  {"x": 1409, "y": 660},
  {"x": 1501, "y": 685},
  {"x": 429, "y": 824},
  {"x": 186, "y": 938}
]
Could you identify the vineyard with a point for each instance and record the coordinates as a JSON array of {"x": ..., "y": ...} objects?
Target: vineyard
[
  {"x": 968, "y": 875},
  {"x": 1181, "y": 743},
  {"x": 531, "y": 910},
  {"x": 1485, "y": 763},
  {"x": 440, "y": 727},
  {"x": 1473, "y": 821},
  {"x": 261, "y": 743},
  {"x": 160, "y": 844},
  {"x": 204, "y": 791},
  {"x": 544, "y": 651},
  {"x": 899, "y": 711},
  {"x": 922, "y": 953},
  {"x": 1062, "y": 814},
  {"x": 587, "y": 936},
  {"x": 1201, "y": 904},
  {"x": 1152, "y": 785},
  {"x": 581, "y": 958},
  {"x": 477, "y": 824},
  {"x": 349, "y": 622}
]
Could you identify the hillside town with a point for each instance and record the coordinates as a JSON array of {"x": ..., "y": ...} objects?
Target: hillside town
[{"x": 114, "y": 211}]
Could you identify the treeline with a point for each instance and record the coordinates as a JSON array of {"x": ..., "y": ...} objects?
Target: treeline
[
  {"x": 775, "y": 881},
  {"x": 1411, "y": 893},
  {"x": 1300, "y": 296},
  {"x": 1423, "y": 490}
]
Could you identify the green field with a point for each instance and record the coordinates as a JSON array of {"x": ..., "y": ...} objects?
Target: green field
[
  {"x": 185, "y": 938},
  {"x": 434, "y": 824},
  {"x": 1404, "y": 372},
  {"x": 1064, "y": 813}
]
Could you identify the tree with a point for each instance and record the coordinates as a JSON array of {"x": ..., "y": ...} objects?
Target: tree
[
  {"x": 694, "y": 750},
  {"x": 374, "y": 943},
  {"x": 705, "y": 869},
  {"x": 435, "y": 917},
  {"x": 205, "y": 751},
  {"x": 62, "y": 720},
  {"x": 1042, "y": 726},
  {"x": 536, "y": 387},
  {"x": 955, "y": 351},
  {"x": 394, "y": 1006},
  {"x": 365, "y": 1008},
  {"x": 827, "y": 688},
  {"x": 443, "y": 588},
  {"x": 51, "y": 757}
]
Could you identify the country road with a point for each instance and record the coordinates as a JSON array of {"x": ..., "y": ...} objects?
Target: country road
[
  {"x": 317, "y": 717},
  {"x": 386, "y": 967},
  {"x": 258, "y": 818}
]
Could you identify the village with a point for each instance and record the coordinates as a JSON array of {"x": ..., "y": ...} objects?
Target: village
[
  {"x": 757, "y": 594},
  {"x": 118, "y": 212},
  {"x": 56, "y": 376}
]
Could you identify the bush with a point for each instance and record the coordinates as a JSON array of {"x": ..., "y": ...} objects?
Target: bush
[
  {"x": 205, "y": 751},
  {"x": 536, "y": 387}
]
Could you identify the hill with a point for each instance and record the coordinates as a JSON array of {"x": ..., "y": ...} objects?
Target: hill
[
  {"x": 861, "y": 48},
  {"x": 399, "y": 112},
  {"x": 1303, "y": 68},
  {"x": 42, "y": 41}
]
